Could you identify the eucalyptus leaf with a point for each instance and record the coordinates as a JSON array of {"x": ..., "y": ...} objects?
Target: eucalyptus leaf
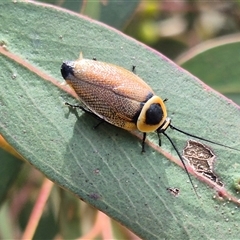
[{"x": 104, "y": 166}]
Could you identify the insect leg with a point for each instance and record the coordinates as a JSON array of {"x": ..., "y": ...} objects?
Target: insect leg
[
  {"x": 86, "y": 111},
  {"x": 134, "y": 69},
  {"x": 143, "y": 142},
  {"x": 159, "y": 139},
  {"x": 78, "y": 106}
]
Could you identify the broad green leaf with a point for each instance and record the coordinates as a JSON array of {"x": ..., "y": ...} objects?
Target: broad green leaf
[
  {"x": 113, "y": 13},
  {"x": 10, "y": 167},
  {"x": 216, "y": 63},
  {"x": 104, "y": 167}
]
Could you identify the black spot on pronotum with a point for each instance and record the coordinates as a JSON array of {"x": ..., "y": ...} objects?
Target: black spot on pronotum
[{"x": 154, "y": 114}]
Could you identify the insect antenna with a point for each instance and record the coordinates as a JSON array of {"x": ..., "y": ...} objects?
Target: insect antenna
[
  {"x": 184, "y": 165},
  {"x": 200, "y": 138}
]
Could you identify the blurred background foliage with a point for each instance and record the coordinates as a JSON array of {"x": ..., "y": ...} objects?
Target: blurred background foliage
[{"x": 173, "y": 28}]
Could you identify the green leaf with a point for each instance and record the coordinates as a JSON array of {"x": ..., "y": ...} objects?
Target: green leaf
[
  {"x": 10, "y": 167},
  {"x": 113, "y": 13},
  {"x": 104, "y": 167},
  {"x": 216, "y": 63}
]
